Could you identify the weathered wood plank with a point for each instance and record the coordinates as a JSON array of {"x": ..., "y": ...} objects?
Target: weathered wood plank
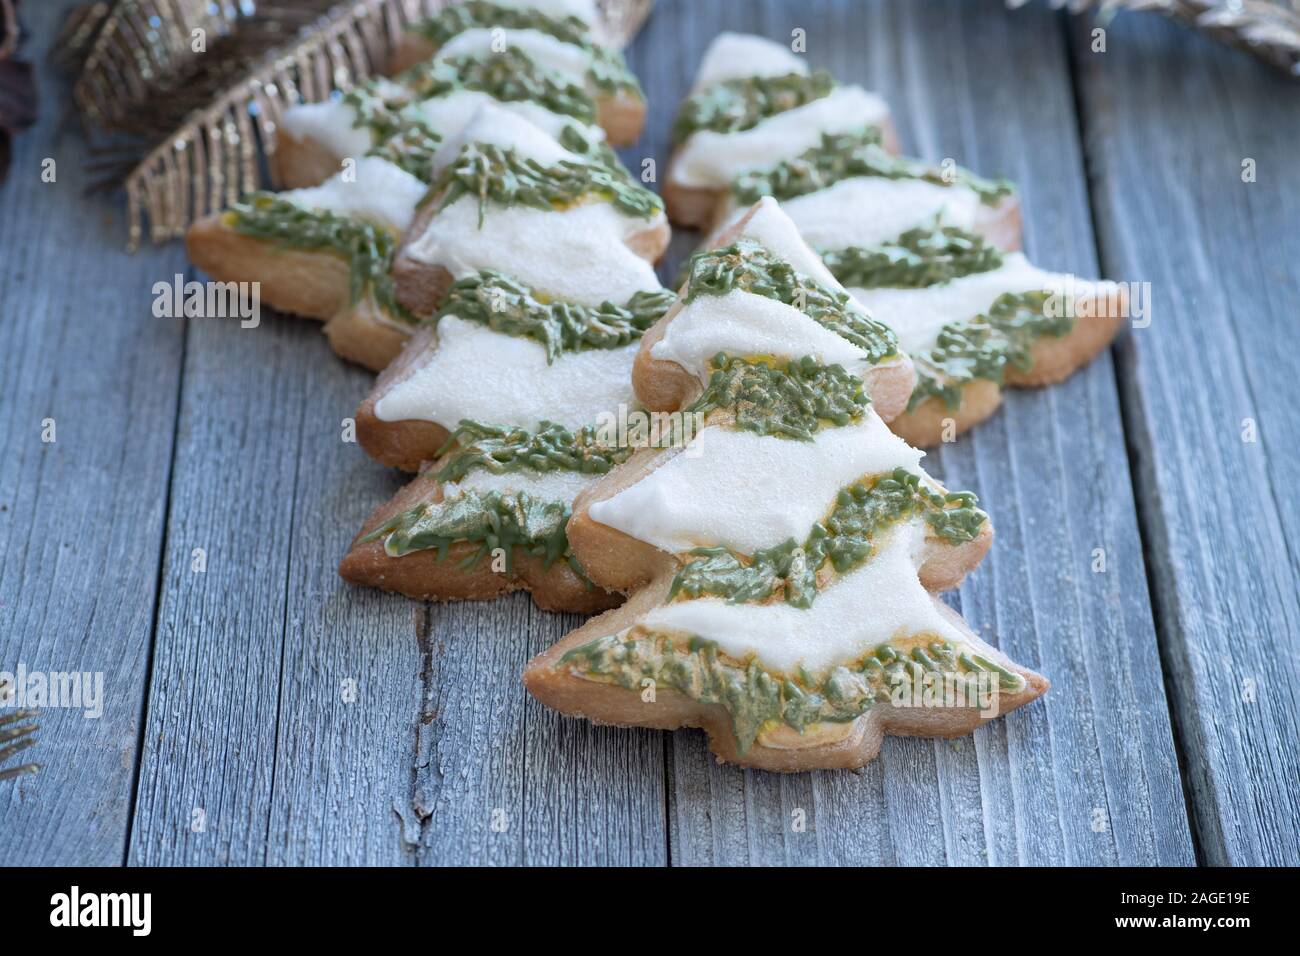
[
  {"x": 81, "y": 518},
  {"x": 502, "y": 780},
  {"x": 435, "y": 748},
  {"x": 1170, "y": 119},
  {"x": 1088, "y": 775},
  {"x": 211, "y": 735},
  {"x": 353, "y": 660}
]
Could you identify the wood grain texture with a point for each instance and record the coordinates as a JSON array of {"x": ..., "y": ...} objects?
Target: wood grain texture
[
  {"x": 231, "y": 689},
  {"x": 1088, "y": 775},
  {"x": 249, "y": 716},
  {"x": 81, "y": 518},
  {"x": 1166, "y": 146}
]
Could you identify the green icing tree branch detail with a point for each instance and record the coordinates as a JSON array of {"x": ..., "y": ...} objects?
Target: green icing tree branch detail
[
  {"x": 919, "y": 258},
  {"x": 503, "y": 448},
  {"x": 845, "y": 539},
  {"x": 508, "y": 306},
  {"x": 791, "y": 400},
  {"x": 368, "y": 248},
  {"x": 753, "y": 696},
  {"x": 510, "y": 75},
  {"x": 983, "y": 346},
  {"x": 749, "y": 266},
  {"x": 740, "y": 104},
  {"x": 608, "y": 72},
  {"x": 842, "y": 156},
  {"x": 491, "y": 520},
  {"x": 489, "y": 173}
]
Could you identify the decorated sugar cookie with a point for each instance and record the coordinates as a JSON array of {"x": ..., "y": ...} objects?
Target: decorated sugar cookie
[
  {"x": 507, "y": 353},
  {"x": 762, "y": 291},
  {"x": 489, "y": 515},
  {"x": 755, "y": 105},
  {"x": 434, "y": 99},
  {"x": 926, "y": 252},
  {"x": 510, "y": 386},
  {"x": 930, "y": 252},
  {"x": 362, "y": 163},
  {"x": 508, "y": 197},
  {"x": 783, "y": 565},
  {"x": 324, "y": 252},
  {"x": 559, "y": 38}
]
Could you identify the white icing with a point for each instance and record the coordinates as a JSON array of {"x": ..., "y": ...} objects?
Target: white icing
[
  {"x": 712, "y": 160},
  {"x": 733, "y": 56},
  {"x": 742, "y": 323},
  {"x": 879, "y": 600},
  {"x": 448, "y": 115},
  {"x": 746, "y": 491},
  {"x": 578, "y": 253},
  {"x": 772, "y": 227},
  {"x": 492, "y": 124},
  {"x": 870, "y": 210},
  {"x": 474, "y": 372},
  {"x": 557, "y": 485},
  {"x": 381, "y": 192},
  {"x": 917, "y": 315},
  {"x": 331, "y": 124},
  {"x": 570, "y": 61}
]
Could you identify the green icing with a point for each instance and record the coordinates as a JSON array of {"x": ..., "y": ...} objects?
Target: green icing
[
  {"x": 846, "y": 155},
  {"x": 492, "y": 519},
  {"x": 403, "y": 137},
  {"x": 755, "y": 697},
  {"x": 368, "y": 248},
  {"x": 607, "y": 72},
  {"x": 489, "y": 519},
  {"x": 492, "y": 174},
  {"x": 380, "y": 113},
  {"x": 982, "y": 347},
  {"x": 503, "y": 448},
  {"x": 505, "y": 305},
  {"x": 411, "y": 147},
  {"x": 789, "y": 400},
  {"x": 740, "y": 104},
  {"x": 751, "y": 267},
  {"x": 845, "y": 539},
  {"x": 920, "y": 257},
  {"x": 507, "y": 76}
]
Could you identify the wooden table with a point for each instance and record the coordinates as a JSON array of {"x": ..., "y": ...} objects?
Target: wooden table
[{"x": 1169, "y": 735}]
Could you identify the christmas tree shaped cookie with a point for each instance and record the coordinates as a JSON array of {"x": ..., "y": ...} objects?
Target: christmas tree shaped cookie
[
  {"x": 930, "y": 252},
  {"x": 562, "y": 37},
  {"x": 508, "y": 197},
  {"x": 784, "y": 564},
  {"x": 363, "y": 163},
  {"x": 503, "y": 392},
  {"x": 323, "y": 252},
  {"x": 925, "y": 251},
  {"x": 434, "y": 98},
  {"x": 755, "y": 104}
]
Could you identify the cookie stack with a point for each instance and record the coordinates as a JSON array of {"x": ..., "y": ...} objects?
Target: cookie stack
[
  {"x": 782, "y": 565},
  {"x": 928, "y": 250},
  {"x": 725, "y": 470}
]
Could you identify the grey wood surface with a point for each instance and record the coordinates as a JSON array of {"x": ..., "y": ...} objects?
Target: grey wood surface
[
  {"x": 1222, "y": 256},
  {"x": 260, "y": 711}
]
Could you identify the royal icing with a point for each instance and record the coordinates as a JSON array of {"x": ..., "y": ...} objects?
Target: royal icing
[
  {"x": 918, "y": 315},
  {"x": 735, "y": 56},
  {"x": 712, "y": 160},
  {"x": 747, "y": 491},
  {"x": 378, "y": 191},
  {"x": 476, "y": 373}
]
